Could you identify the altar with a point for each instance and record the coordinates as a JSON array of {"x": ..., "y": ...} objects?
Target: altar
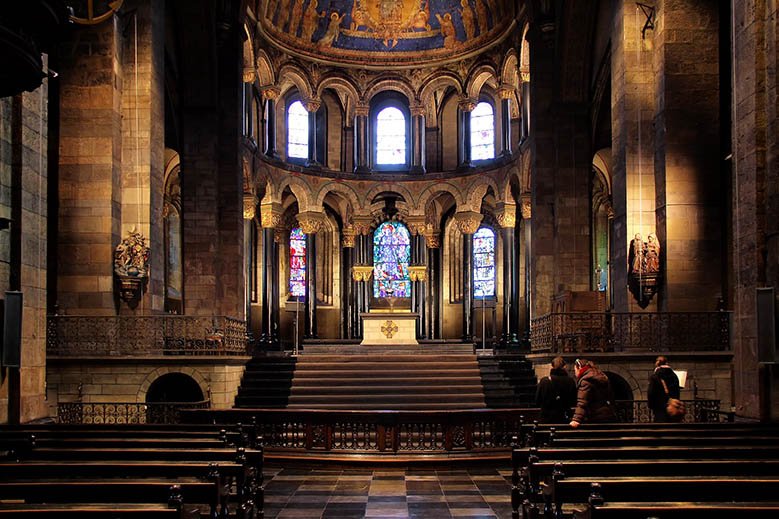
[{"x": 384, "y": 328}]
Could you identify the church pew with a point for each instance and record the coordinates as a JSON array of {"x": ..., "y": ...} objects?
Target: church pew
[
  {"x": 97, "y": 511},
  {"x": 114, "y": 491},
  {"x": 659, "y": 441},
  {"x": 563, "y": 490},
  {"x": 679, "y": 510}
]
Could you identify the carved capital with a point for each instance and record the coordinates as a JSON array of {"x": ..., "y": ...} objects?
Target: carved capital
[
  {"x": 312, "y": 104},
  {"x": 279, "y": 234},
  {"x": 361, "y": 110},
  {"x": 468, "y": 222},
  {"x": 272, "y": 93},
  {"x": 249, "y": 74},
  {"x": 311, "y": 222},
  {"x": 467, "y": 104},
  {"x": 526, "y": 207},
  {"x": 506, "y": 91},
  {"x": 347, "y": 237},
  {"x": 249, "y": 206},
  {"x": 524, "y": 75},
  {"x": 417, "y": 272},
  {"x": 418, "y": 110},
  {"x": 362, "y": 224},
  {"x": 506, "y": 215},
  {"x": 362, "y": 272},
  {"x": 270, "y": 215},
  {"x": 433, "y": 240},
  {"x": 416, "y": 224}
]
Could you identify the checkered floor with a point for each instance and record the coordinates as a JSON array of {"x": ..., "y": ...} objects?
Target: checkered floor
[{"x": 411, "y": 492}]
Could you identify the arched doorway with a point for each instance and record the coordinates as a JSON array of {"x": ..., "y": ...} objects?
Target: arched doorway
[
  {"x": 623, "y": 397},
  {"x": 167, "y": 393}
]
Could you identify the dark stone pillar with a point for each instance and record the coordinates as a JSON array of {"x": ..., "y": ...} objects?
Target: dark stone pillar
[
  {"x": 465, "y": 108},
  {"x": 266, "y": 271},
  {"x": 510, "y": 287},
  {"x": 527, "y": 243},
  {"x": 467, "y": 287},
  {"x": 249, "y": 251},
  {"x": 312, "y": 106},
  {"x": 418, "y": 139},
  {"x": 361, "y": 140},
  {"x": 270, "y": 95},
  {"x": 348, "y": 308},
  {"x": 505, "y": 121},
  {"x": 525, "y": 100},
  {"x": 310, "y": 327},
  {"x": 278, "y": 240},
  {"x": 433, "y": 284}
]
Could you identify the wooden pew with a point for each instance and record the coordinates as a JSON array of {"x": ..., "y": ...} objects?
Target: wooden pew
[{"x": 90, "y": 511}]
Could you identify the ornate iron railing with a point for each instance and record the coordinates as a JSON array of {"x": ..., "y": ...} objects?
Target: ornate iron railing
[
  {"x": 583, "y": 332},
  {"x": 75, "y": 335},
  {"x": 699, "y": 410},
  {"x": 119, "y": 413}
]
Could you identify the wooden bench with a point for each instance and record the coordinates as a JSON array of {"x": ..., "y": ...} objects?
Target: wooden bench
[{"x": 97, "y": 511}]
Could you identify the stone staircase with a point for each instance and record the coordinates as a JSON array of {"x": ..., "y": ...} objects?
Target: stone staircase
[
  {"x": 266, "y": 382},
  {"x": 509, "y": 381}
]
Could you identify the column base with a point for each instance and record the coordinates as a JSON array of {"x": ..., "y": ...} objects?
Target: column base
[
  {"x": 362, "y": 169},
  {"x": 417, "y": 170},
  {"x": 465, "y": 166}
]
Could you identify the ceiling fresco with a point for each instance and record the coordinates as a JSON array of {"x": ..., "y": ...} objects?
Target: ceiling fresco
[{"x": 385, "y": 32}]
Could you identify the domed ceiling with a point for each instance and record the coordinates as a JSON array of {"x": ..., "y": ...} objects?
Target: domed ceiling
[{"x": 375, "y": 33}]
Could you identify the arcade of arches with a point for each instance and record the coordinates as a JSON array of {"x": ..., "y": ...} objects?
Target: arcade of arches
[{"x": 586, "y": 178}]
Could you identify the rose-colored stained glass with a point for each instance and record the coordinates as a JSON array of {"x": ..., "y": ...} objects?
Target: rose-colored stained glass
[
  {"x": 297, "y": 263},
  {"x": 391, "y": 256}
]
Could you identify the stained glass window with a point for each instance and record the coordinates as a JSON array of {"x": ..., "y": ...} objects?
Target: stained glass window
[
  {"x": 297, "y": 131},
  {"x": 297, "y": 263},
  {"x": 484, "y": 263},
  {"x": 390, "y": 136},
  {"x": 482, "y": 132},
  {"x": 391, "y": 256}
]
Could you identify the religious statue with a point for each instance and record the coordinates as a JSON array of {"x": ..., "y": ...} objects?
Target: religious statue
[
  {"x": 131, "y": 266},
  {"x": 644, "y": 268}
]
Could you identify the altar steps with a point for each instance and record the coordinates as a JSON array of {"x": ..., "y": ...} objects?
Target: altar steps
[
  {"x": 387, "y": 381},
  {"x": 509, "y": 381},
  {"x": 424, "y": 348},
  {"x": 266, "y": 382}
]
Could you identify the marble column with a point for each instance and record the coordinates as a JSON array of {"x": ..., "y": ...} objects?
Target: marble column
[
  {"x": 465, "y": 107},
  {"x": 270, "y": 218},
  {"x": 361, "y": 139},
  {"x": 348, "y": 307},
  {"x": 312, "y": 107},
  {"x": 507, "y": 219},
  {"x": 506, "y": 93},
  {"x": 270, "y": 95},
  {"x": 249, "y": 212},
  {"x": 418, "y": 272},
  {"x": 526, "y": 240},
  {"x": 468, "y": 223},
  {"x": 524, "y": 91},
  {"x": 311, "y": 223},
  {"x": 418, "y": 139},
  {"x": 433, "y": 243}
]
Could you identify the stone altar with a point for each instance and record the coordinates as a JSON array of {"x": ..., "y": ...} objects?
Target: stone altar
[{"x": 384, "y": 328}]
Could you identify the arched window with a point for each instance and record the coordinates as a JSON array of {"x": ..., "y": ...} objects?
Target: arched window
[
  {"x": 297, "y": 131},
  {"x": 482, "y": 132},
  {"x": 390, "y": 137},
  {"x": 484, "y": 263},
  {"x": 391, "y": 256},
  {"x": 297, "y": 263}
]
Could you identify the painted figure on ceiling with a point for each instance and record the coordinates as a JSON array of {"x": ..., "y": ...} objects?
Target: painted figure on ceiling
[
  {"x": 333, "y": 28},
  {"x": 481, "y": 12},
  {"x": 466, "y": 13},
  {"x": 447, "y": 30},
  {"x": 295, "y": 19},
  {"x": 360, "y": 17},
  {"x": 284, "y": 13},
  {"x": 419, "y": 19},
  {"x": 311, "y": 20}
]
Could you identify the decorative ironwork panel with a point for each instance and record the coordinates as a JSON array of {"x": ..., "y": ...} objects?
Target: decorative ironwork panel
[
  {"x": 355, "y": 436},
  {"x": 68, "y": 335},
  {"x": 421, "y": 437}
]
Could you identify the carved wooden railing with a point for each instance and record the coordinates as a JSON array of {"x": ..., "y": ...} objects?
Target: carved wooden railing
[
  {"x": 582, "y": 332},
  {"x": 698, "y": 410},
  {"x": 74, "y": 335},
  {"x": 119, "y": 413}
]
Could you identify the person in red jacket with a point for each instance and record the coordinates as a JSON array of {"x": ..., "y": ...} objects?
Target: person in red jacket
[{"x": 594, "y": 396}]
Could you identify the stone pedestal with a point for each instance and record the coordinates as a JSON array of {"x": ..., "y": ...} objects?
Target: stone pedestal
[{"x": 387, "y": 328}]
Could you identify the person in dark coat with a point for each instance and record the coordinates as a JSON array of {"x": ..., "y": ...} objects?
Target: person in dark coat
[
  {"x": 556, "y": 394},
  {"x": 657, "y": 398},
  {"x": 594, "y": 396}
]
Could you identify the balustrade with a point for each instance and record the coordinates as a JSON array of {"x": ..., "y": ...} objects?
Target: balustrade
[
  {"x": 71, "y": 336},
  {"x": 583, "y": 332}
]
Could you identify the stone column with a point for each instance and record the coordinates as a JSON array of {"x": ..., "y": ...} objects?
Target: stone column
[
  {"x": 526, "y": 226},
  {"x": 311, "y": 222},
  {"x": 524, "y": 99},
  {"x": 468, "y": 223},
  {"x": 249, "y": 212},
  {"x": 348, "y": 308},
  {"x": 279, "y": 238},
  {"x": 361, "y": 139},
  {"x": 433, "y": 243},
  {"x": 507, "y": 219},
  {"x": 418, "y": 271},
  {"x": 270, "y": 218},
  {"x": 418, "y": 139},
  {"x": 465, "y": 107},
  {"x": 270, "y": 94},
  {"x": 506, "y": 93},
  {"x": 312, "y": 106}
]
